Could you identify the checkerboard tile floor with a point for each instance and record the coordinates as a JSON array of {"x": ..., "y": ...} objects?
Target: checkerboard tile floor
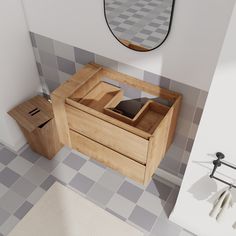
[
  {"x": 143, "y": 22},
  {"x": 26, "y": 176}
]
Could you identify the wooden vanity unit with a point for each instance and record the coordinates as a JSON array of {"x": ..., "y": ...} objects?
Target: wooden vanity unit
[{"x": 85, "y": 121}]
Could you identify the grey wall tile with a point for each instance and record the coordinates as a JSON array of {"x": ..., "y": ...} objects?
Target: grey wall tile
[
  {"x": 130, "y": 70},
  {"x": 191, "y": 94},
  {"x": 48, "y": 59},
  {"x": 106, "y": 62},
  {"x": 36, "y": 54},
  {"x": 32, "y": 38},
  {"x": 50, "y": 73},
  {"x": 202, "y": 99},
  {"x": 64, "y": 50},
  {"x": 52, "y": 85},
  {"x": 83, "y": 57},
  {"x": 151, "y": 78},
  {"x": 189, "y": 145},
  {"x": 63, "y": 76},
  {"x": 66, "y": 65},
  {"x": 44, "y": 43},
  {"x": 39, "y": 67},
  {"x": 198, "y": 115},
  {"x": 165, "y": 82}
]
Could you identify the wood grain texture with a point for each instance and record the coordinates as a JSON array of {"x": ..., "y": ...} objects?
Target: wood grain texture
[
  {"x": 107, "y": 134},
  {"x": 108, "y": 157},
  {"x": 36, "y": 120},
  {"x": 157, "y": 147},
  {"x": 108, "y": 119},
  {"x": 81, "y": 105},
  {"x": 32, "y": 113}
]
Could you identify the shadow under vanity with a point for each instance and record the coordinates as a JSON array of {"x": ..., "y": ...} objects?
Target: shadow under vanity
[{"x": 132, "y": 136}]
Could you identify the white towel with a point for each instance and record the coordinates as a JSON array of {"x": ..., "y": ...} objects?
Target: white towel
[{"x": 221, "y": 205}]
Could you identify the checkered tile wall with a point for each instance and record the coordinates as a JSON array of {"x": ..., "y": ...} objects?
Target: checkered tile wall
[{"x": 57, "y": 61}]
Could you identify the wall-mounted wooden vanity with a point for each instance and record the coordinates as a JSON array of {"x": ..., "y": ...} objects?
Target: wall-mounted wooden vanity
[{"x": 83, "y": 109}]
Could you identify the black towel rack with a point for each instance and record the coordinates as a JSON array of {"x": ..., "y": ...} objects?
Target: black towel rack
[{"x": 217, "y": 163}]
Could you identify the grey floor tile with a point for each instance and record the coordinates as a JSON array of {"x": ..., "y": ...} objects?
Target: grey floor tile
[
  {"x": 111, "y": 180},
  {"x": 82, "y": 183},
  {"x": 2, "y": 166},
  {"x": 115, "y": 214},
  {"x": 165, "y": 227},
  {"x": 121, "y": 205},
  {"x": 74, "y": 161},
  {"x": 92, "y": 171},
  {"x": 23, "y": 210},
  {"x": 36, "y": 175},
  {"x": 4, "y": 215},
  {"x": 30, "y": 155},
  {"x": 11, "y": 201},
  {"x": 130, "y": 191},
  {"x": 23, "y": 187},
  {"x": 49, "y": 182},
  {"x": 66, "y": 65},
  {"x": 100, "y": 194},
  {"x": 3, "y": 189},
  {"x": 151, "y": 203},
  {"x": 97, "y": 163},
  {"x": 159, "y": 189},
  {"x": 36, "y": 195},
  {"x": 8, "y": 177},
  {"x": 6, "y": 156},
  {"x": 143, "y": 218},
  {"x": 9, "y": 224},
  {"x": 64, "y": 173},
  {"x": 62, "y": 154},
  {"x": 20, "y": 165},
  {"x": 48, "y": 165}
]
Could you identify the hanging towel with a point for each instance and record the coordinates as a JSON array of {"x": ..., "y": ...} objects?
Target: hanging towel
[{"x": 221, "y": 205}]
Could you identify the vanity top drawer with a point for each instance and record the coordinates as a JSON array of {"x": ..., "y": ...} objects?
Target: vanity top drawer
[{"x": 105, "y": 133}]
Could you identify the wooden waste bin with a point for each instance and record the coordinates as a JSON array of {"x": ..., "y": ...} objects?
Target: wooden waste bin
[{"x": 36, "y": 120}]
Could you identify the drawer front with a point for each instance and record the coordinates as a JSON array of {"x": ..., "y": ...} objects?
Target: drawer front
[
  {"x": 108, "y": 157},
  {"x": 107, "y": 134}
]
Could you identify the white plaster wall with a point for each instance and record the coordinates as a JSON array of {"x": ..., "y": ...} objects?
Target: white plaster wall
[
  {"x": 217, "y": 132},
  {"x": 18, "y": 74},
  {"x": 189, "y": 55}
]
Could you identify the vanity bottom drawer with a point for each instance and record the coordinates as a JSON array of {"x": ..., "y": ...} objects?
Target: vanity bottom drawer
[{"x": 109, "y": 157}]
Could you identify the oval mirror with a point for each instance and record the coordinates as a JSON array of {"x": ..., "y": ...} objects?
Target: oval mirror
[{"x": 141, "y": 25}]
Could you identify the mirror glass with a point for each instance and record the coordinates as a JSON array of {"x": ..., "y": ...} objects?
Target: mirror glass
[{"x": 141, "y": 25}]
